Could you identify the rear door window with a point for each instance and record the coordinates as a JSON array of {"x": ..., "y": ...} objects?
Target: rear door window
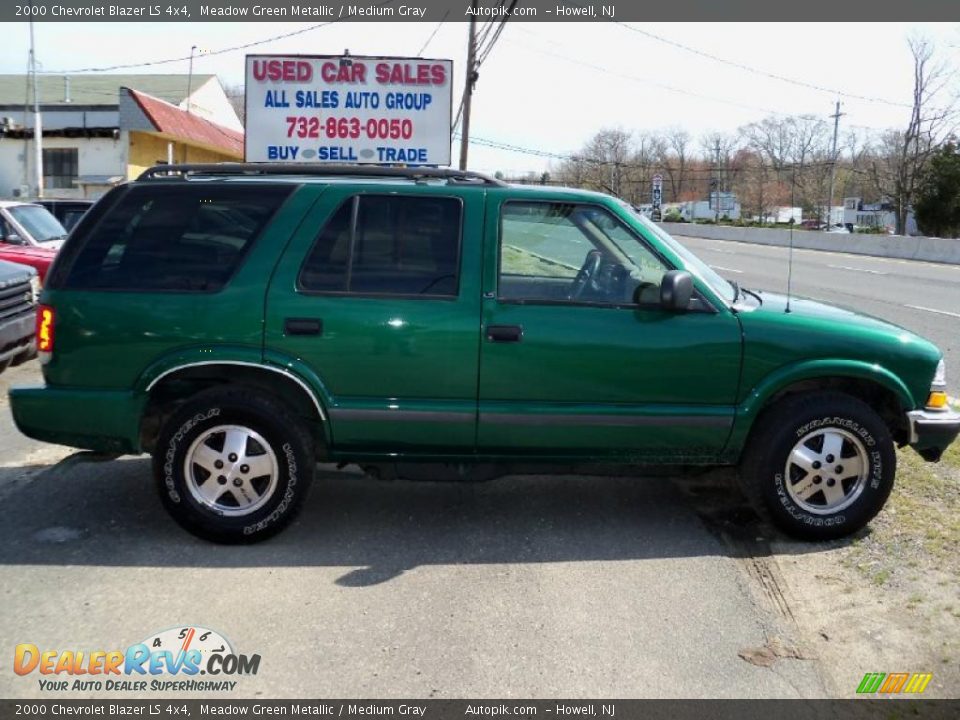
[
  {"x": 185, "y": 238},
  {"x": 387, "y": 245}
]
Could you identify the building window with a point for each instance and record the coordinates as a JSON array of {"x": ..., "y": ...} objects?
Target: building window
[{"x": 60, "y": 167}]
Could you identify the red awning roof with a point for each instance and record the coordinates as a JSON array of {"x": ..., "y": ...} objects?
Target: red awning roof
[{"x": 188, "y": 127}]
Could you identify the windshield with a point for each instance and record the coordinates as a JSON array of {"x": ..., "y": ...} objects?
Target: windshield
[
  {"x": 36, "y": 220},
  {"x": 694, "y": 264}
]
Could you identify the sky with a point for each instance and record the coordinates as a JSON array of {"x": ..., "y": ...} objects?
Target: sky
[{"x": 550, "y": 86}]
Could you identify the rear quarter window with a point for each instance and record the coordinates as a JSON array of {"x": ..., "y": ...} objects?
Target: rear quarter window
[{"x": 188, "y": 238}]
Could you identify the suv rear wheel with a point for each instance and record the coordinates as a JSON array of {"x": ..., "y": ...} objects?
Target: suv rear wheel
[
  {"x": 233, "y": 465},
  {"x": 820, "y": 465}
]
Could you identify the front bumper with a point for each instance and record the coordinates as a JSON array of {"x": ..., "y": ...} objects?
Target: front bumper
[
  {"x": 931, "y": 432},
  {"x": 16, "y": 337}
]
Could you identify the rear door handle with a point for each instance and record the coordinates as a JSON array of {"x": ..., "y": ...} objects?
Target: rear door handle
[
  {"x": 303, "y": 326},
  {"x": 504, "y": 333}
]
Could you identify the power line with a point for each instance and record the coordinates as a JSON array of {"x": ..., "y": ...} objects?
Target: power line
[
  {"x": 647, "y": 81},
  {"x": 221, "y": 51},
  {"x": 430, "y": 39},
  {"x": 485, "y": 51},
  {"x": 758, "y": 71}
]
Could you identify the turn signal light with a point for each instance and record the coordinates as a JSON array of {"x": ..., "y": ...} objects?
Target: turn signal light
[
  {"x": 45, "y": 318},
  {"x": 937, "y": 400}
]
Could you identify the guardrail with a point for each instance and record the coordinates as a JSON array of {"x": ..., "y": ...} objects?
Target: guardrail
[{"x": 938, "y": 250}]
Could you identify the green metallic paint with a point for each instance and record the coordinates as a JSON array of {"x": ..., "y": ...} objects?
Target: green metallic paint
[
  {"x": 91, "y": 418},
  {"x": 584, "y": 368},
  {"x": 387, "y": 353},
  {"x": 417, "y": 377},
  {"x": 185, "y": 357}
]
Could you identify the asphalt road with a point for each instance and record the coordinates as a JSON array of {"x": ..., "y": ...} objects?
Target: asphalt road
[
  {"x": 919, "y": 296},
  {"x": 523, "y": 587}
]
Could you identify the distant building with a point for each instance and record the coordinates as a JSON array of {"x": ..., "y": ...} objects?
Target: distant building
[
  {"x": 101, "y": 130},
  {"x": 722, "y": 205},
  {"x": 876, "y": 215}
]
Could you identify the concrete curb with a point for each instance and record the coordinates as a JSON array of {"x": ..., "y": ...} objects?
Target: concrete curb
[{"x": 937, "y": 250}]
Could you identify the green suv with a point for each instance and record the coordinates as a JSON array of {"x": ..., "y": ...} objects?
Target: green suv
[{"x": 241, "y": 322}]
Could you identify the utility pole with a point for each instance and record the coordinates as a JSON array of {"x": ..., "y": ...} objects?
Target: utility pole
[
  {"x": 471, "y": 78},
  {"x": 193, "y": 49},
  {"x": 716, "y": 180},
  {"x": 833, "y": 163},
  {"x": 37, "y": 125}
]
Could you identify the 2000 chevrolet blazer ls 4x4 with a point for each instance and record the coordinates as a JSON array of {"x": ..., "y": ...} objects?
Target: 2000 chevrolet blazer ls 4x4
[{"x": 241, "y": 322}]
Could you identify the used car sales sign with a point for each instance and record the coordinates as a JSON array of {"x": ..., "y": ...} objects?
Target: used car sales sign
[{"x": 310, "y": 108}]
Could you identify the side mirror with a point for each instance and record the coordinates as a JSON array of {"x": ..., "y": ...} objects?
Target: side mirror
[
  {"x": 676, "y": 289},
  {"x": 14, "y": 239}
]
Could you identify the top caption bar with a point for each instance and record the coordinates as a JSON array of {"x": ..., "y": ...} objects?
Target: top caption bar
[{"x": 319, "y": 11}]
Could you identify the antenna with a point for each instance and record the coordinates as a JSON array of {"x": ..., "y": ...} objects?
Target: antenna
[{"x": 793, "y": 204}]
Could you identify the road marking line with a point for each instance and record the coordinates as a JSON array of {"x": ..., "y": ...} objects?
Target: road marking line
[
  {"x": 856, "y": 269},
  {"x": 934, "y": 310},
  {"x": 726, "y": 269}
]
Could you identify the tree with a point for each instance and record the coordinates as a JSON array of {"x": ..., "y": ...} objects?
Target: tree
[
  {"x": 937, "y": 206},
  {"x": 901, "y": 156},
  {"x": 675, "y": 159}
]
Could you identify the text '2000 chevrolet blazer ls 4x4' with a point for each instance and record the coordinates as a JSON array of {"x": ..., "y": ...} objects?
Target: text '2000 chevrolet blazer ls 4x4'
[{"x": 240, "y": 322}]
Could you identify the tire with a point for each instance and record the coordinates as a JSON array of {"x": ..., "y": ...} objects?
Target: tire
[
  {"x": 250, "y": 501},
  {"x": 790, "y": 467}
]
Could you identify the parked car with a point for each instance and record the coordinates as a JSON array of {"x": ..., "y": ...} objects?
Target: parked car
[
  {"x": 19, "y": 288},
  {"x": 241, "y": 322},
  {"x": 29, "y": 224},
  {"x": 68, "y": 212},
  {"x": 36, "y": 256}
]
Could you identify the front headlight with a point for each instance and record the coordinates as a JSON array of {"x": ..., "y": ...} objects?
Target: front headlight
[
  {"x": 938, "y": 400},
  {"x": 940, "y": 376},
  {"x": 35, "y": 288}
]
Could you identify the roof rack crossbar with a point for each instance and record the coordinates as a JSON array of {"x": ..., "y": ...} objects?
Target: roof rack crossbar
[{"x": 320, "y": 169}]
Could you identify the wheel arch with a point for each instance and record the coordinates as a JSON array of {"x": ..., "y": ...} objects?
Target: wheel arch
[
  {"x": 167, "y": 388},
  {"x": 883, "y": 391}
]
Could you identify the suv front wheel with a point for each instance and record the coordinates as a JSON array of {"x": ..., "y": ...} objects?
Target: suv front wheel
[
  {"x": 820, "y": 465},
  {"x": 233, "y": 465}
]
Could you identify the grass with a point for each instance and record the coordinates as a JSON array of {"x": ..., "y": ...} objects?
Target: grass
[{"x": 914, "y": 543}]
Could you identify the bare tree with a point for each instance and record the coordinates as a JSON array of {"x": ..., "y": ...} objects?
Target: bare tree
[
  {"x": 675, "y": 160},
  {"x": 900, "y": 156},
  {"x": 235, "y": 94}
]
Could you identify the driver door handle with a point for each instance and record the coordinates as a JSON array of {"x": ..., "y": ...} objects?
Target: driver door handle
[{"x": 504, "y": 333}]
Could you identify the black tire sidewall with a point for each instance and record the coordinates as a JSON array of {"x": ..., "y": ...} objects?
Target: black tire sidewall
[
  {"x": 872, "y": 433},
  {"x": 293, "y": 461}
]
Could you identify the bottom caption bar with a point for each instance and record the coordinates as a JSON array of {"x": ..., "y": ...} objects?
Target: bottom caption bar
[{"x": 442, "y": 709}]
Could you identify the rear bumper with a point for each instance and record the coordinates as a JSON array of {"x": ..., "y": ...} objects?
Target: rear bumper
[
  {"x": 932, "y": 432},
  {"x": 101, "y": 420}
]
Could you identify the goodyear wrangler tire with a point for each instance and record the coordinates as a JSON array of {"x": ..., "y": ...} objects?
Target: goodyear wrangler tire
[
  {"x": 820, "y": 465},
  {"x": 233, "y": 465}
]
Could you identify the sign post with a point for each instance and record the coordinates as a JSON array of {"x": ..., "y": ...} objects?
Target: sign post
[
  {"x": 345, "y": 109},
  {"x": 657, "y": 198}
]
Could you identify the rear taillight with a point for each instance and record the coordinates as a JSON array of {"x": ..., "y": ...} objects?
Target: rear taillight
[{"x": 45, "y": 322}]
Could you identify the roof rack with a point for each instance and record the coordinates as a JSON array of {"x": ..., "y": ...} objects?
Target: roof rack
[{"x": 166, "y": 172}]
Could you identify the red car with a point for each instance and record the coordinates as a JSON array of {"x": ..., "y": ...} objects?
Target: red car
[{"x": 32, "y": 255}]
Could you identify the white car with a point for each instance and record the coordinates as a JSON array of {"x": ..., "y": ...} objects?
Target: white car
[{"x": 29, "y": 224}]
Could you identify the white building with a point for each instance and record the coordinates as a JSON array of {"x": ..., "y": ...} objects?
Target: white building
[
  {"x": 722, "y": 205},
  {"x": 878, "y": 215},
  {"x": 101, "y": 130}
]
